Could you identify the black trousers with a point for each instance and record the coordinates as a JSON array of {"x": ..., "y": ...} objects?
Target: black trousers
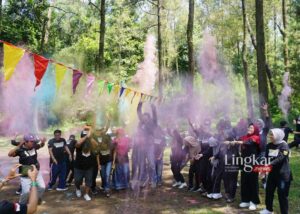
[
  {"x": 95, "y": 174},
  {"x": 283, "y": 188},
  {"x": 194, "y": 172},
  {"x": 249, "y": 187},
  {"x": 217, "y": 177},
  {"x": 176, "y": 170},
  {"x": 204, "y": 174},
  {"x": 70, "y": 168},
  {"x": 294, "y": 143},
  {"x": 230, "y": 183}
]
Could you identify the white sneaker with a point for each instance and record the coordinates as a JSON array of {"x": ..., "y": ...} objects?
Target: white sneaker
[
  {"x": 183, "y": 185},
  {"x": 265, "y": 211},
  {"x": 78, "y": 193},
  {"x": 210, "y": 195},
  {"x": 87, "y": 197},
  {"x": 176, "y": 184},
  {"x": 252, "y": 206},
  {"x": 244, "y": 205},
  {"x": 62, "y": 189},
  {"x": 216, "y": 196}
]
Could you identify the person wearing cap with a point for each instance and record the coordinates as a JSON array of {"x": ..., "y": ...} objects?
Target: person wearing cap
[
  {"x": 71, "y": 142},
  {"x": 57, "y": 148},
  {"x": 7, "y": 207},
  {"x": 27, "y": 152},
  {"x": 280, "y": 176}
]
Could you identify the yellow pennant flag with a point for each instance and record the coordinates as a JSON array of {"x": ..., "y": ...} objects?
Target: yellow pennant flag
[
  {"x": 12, "y": 55},
  {"x": 60, "y": 72},
  {"x": 116, "y": 89},
  {"x": 127, "y": 92}
]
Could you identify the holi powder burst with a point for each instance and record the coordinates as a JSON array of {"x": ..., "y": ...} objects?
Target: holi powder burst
[{"x": 286, "y": 92}]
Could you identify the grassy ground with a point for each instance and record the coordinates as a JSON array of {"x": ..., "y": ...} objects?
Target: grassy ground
[{"x": 162, "y": 200}]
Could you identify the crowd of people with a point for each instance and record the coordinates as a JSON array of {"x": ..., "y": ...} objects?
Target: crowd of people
[{"x": 213, "y": 154}]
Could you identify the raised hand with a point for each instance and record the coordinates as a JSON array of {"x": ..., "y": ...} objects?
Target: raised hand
[{"x": 13, "y": 172}]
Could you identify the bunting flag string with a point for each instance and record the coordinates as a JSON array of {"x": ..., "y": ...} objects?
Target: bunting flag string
[
  {"x": 109, "y": 87},
  {"x": 90, "y": 81},
  {"x": 13, "y": 54},
  {"x": 40, "y": 67},
  {"x": 76, "y": 76},
  {"x": 60, "y": 72},
  {"x": 101, "y": 86}
]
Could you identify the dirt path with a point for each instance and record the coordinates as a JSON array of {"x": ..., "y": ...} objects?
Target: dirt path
[{"x": 164, "y": 199}]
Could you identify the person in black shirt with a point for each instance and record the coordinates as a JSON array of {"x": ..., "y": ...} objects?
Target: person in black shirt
[
  {"x": 7, "y": 207},
  {"x": 70, "y": 164},
  {"x": 84, "y": 162},
  {"x": 57, "y": 148},
  {"x": 280, "y": 176},
  {"x": 287, "y": 130},
  {"x": 296, "y": 141},
  {"x": 27, "y": 152}
]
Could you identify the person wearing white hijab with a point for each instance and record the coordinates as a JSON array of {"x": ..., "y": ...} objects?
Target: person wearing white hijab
[{"x": 280, "y": 175}]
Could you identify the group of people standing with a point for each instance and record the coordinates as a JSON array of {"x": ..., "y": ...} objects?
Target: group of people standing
[{"x": 214, "y": 155}]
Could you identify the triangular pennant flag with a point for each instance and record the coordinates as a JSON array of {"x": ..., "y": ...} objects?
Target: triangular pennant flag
[
  {"x": 76, "y": 77},
  {"x": 101, "y": 86},
  {"x": 109, "y": 87},
  {"x": 141, "y": 99},
  {"x": 133, "y": 97},
  {"x": 60, "y": 72},
  {"x": 127, "y": 92},
  {"x": 116, "y": 89},
  {"x": 12, "y": 55},
  {"x": 121, "y": 91},
  {"x": 89, "y": 83},
  {"x": 40, "y": 67}
]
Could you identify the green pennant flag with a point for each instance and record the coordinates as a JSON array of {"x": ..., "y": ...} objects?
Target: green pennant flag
[
  {"x": 101, "y": 86},
  {"x": 109, "y": 87}
]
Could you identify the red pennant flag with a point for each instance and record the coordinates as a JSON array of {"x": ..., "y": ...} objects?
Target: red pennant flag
[
  {"x": 76, "y": 76},
  {"x": 40, "y": 67}
]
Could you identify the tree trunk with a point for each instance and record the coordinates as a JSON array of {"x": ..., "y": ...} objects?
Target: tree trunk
[
  {"x": 245, "y": 65},
  {"x": 268, "y": 70},
  {"x": 159, "y": 47},
  {"x": 0, "y": 18},
  {"x": 189, "y": 33},
  {"x": 260, "y": 54},
  {"x": 42, "y": 44},
  {"x": 102, "y": 35},
  {"x": 285, "y": 47}
]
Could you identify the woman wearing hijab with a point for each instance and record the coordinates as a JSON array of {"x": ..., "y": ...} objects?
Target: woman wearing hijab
[
  {"x": 250, "y": 145},
  {"x": 280, "y": 175}
]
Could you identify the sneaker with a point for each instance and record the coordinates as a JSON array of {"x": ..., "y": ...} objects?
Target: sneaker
[
  {"x": 183, "y": 185},
  {"x": 107, "y": 194},
  {"x": 217, "y": 196},
  {"x": 210, "y": 195},
  {"x": 78, "y": 193},
  {"x": 244, "y": 205},
  {"x": 265, "y": 211},
  {"x": 176, "y": 184},
  {"x": 50, "y": 188},
  {"x": 87, "y": 197},
  {"x": 61, "y": 189},
  {"x": 94, "y": 191},
  {"x": 198, "y": 190},
  {"x": 229, "y": 200},
  {"x": 18, "y": 192},
  {"x": 252, "y": 206}
]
